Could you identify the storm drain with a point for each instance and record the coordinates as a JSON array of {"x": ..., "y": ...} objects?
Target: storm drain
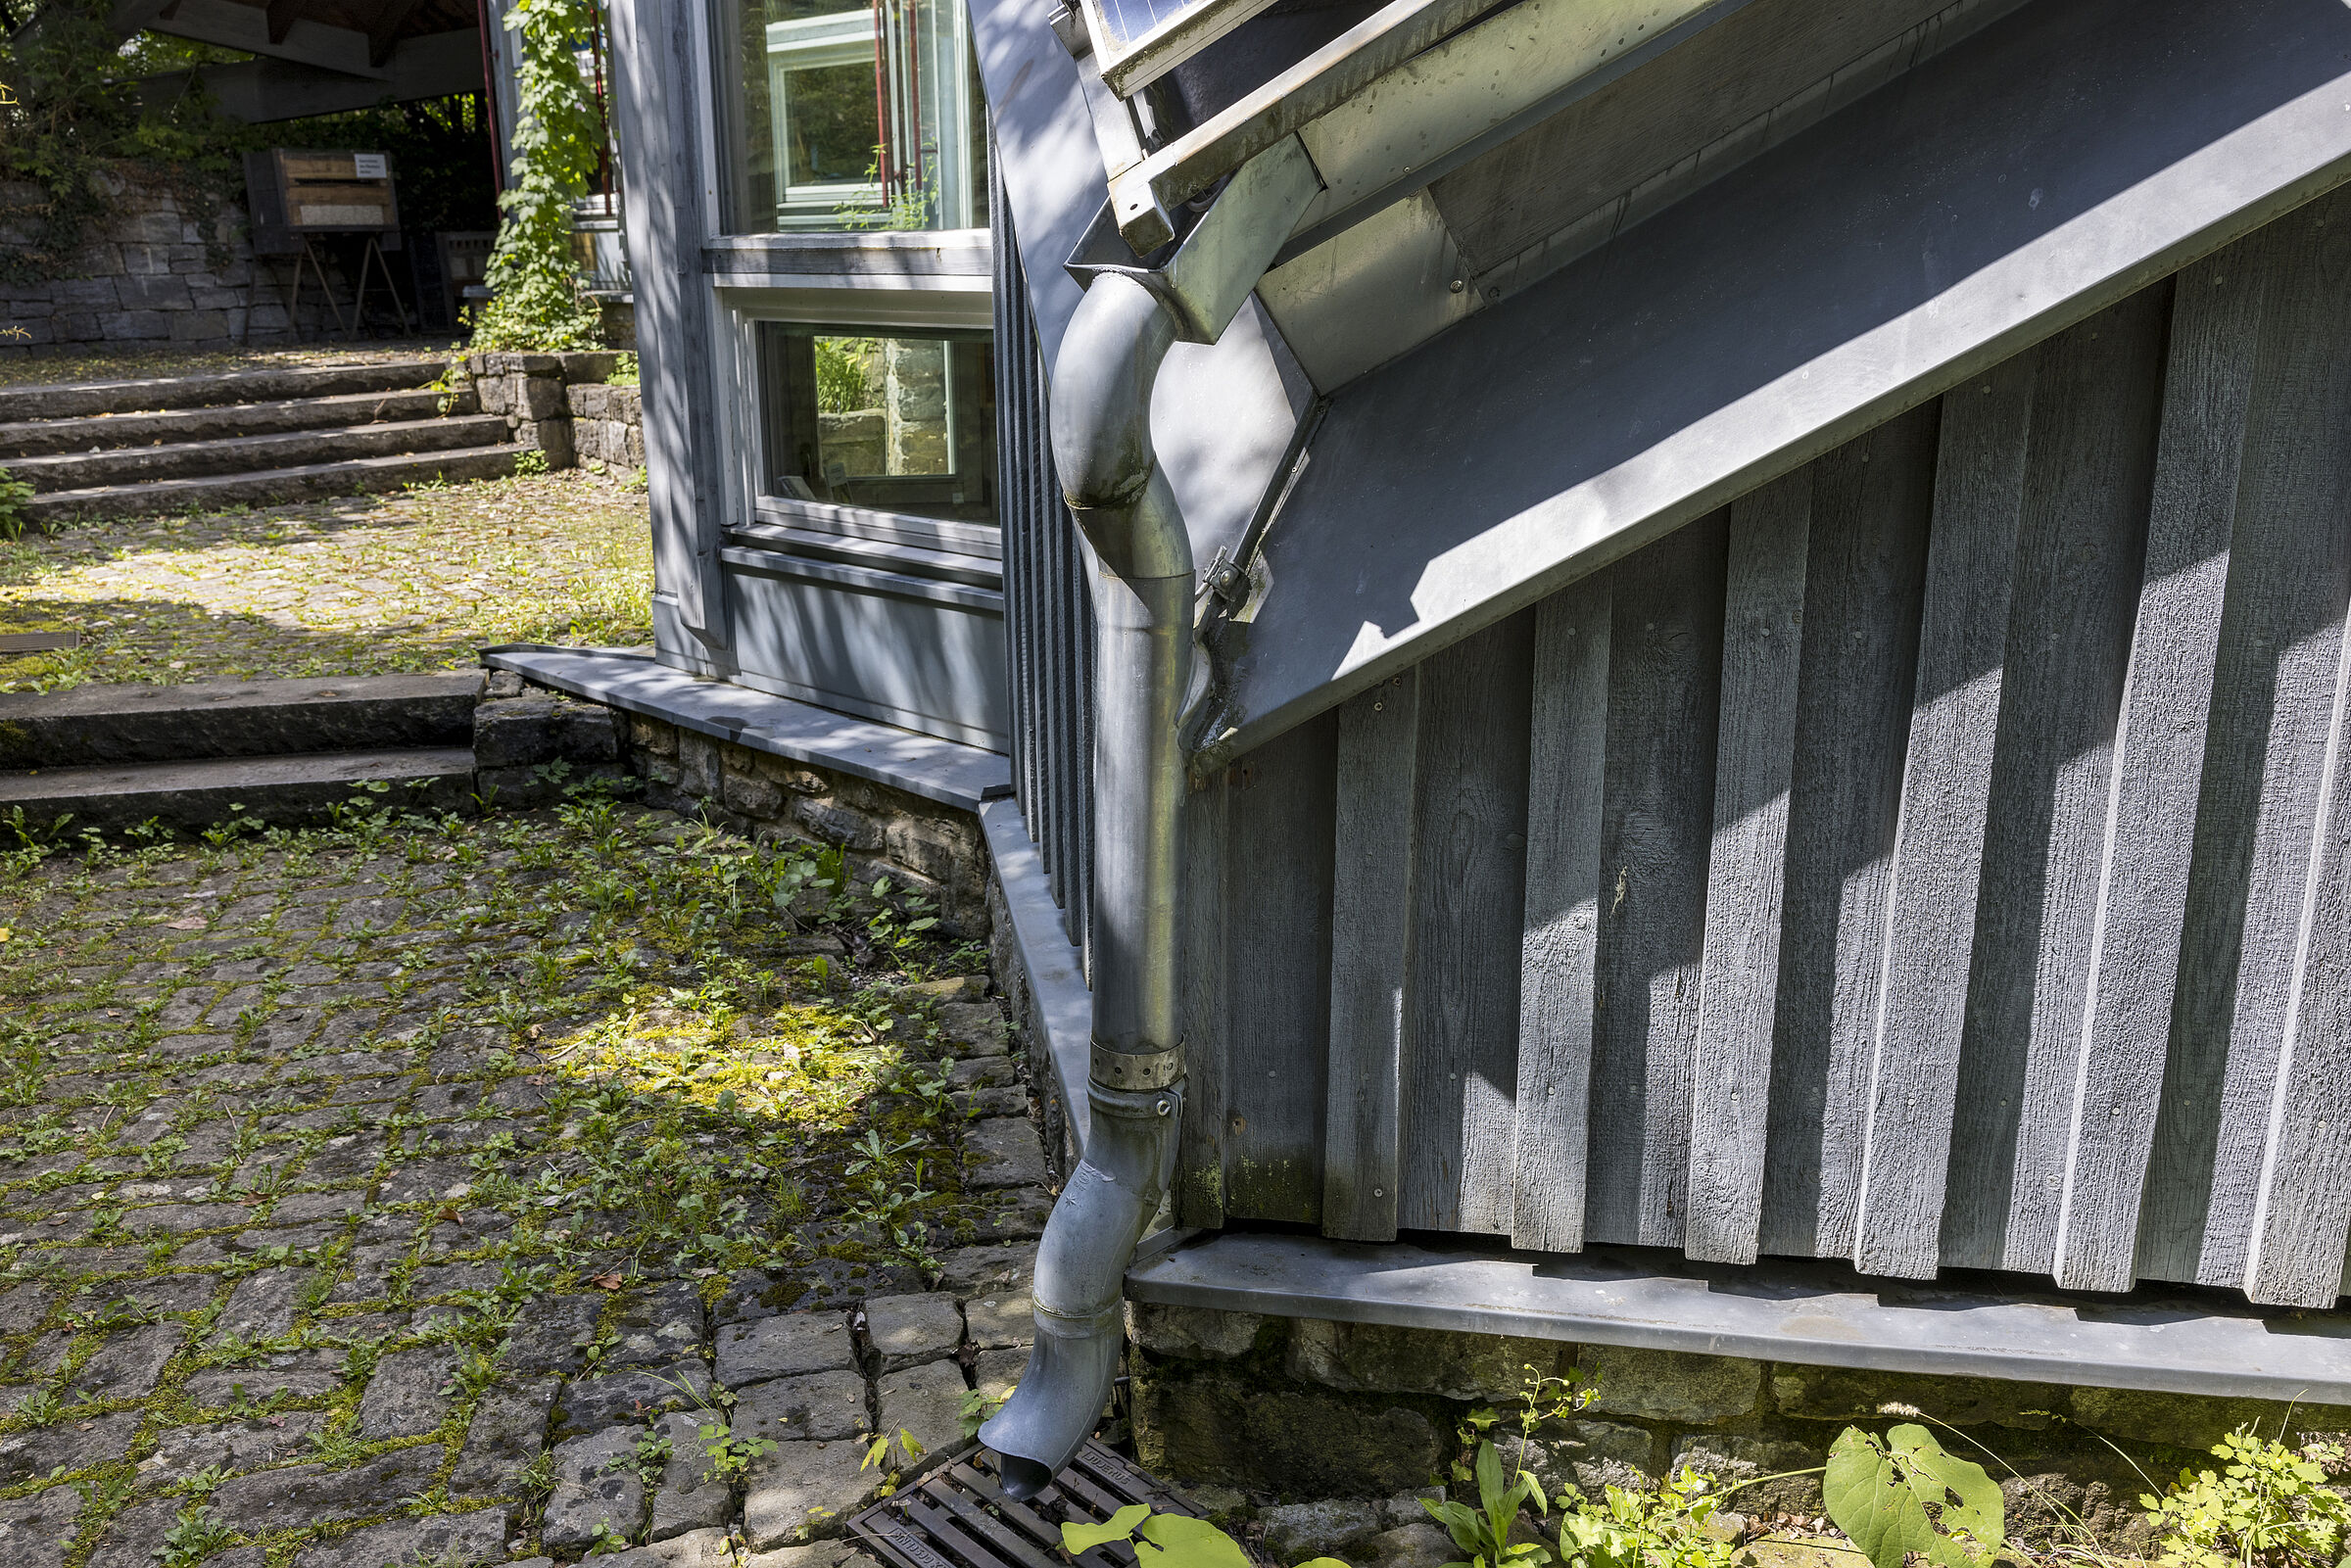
[{"x": 960, "y": 1516}]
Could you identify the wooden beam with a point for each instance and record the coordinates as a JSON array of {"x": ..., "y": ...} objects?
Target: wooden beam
[
  {"x": 1939, "y": 841},
  {"x": 381, "y": 35},
  {"x": 1664, "y": 685},
  {"x": 2157, "y": 770},
  {"x": 1746, "y": 875},
  {"x": 1559, "y": 947},
  {"x": 1371, "y": 928},
  {"x": 1469, "y": 880}
]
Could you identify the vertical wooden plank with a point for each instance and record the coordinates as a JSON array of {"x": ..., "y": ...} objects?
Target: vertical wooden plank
[
  {"x": 2157, "y": 771},
  {"x": 1871, "y": 500},
  {"x": 1371, "y": 958},
  {"x": 2303, "y": 1215},
  {"x": 1277, "y": 879},
  {"x": 2260, "y": 804},
  {"x": 2079, "y": 552},
  {"x": 1938, "y": 838},
  {"x": 1559, "y": 940},
  {"x": 1200, "y": 1156},
  {"x": 1468, "y": 880},
  {"x": 1747, "y": 874},
  {"x": 1664, "y": 683}
]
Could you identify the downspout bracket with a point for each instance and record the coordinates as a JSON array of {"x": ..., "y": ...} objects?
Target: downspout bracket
[{"x": 1136, "y": 1072}]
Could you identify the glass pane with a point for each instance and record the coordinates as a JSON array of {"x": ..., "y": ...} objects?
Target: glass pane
[
  {"x": 844, "y": 115},
  {"x": 830, "y": 128},
  {"x": 903, "y": 424}
]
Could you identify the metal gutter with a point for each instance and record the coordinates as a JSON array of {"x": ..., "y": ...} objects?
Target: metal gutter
[{"x": 1814, "y": 1315}]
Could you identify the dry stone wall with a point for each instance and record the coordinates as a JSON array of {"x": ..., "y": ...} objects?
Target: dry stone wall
[
  {"x": 149, "y": 278},
  {"x": 1309, "y": 1409},
  {"x": 563, "y": 404}
]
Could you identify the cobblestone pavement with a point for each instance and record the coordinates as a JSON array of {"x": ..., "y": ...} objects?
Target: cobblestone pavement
[
  {"x": 468, "y": 1191},
  {"x": 364, "y": 584}
]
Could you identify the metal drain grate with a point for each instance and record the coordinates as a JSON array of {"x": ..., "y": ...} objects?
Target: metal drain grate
[{"x": 960, "y": 1516}]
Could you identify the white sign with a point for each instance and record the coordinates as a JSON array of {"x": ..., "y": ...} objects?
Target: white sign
[{"x": 368, "y": 166}]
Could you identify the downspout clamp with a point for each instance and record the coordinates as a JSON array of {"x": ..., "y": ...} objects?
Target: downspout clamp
[{"x": 1143, "y": 593}]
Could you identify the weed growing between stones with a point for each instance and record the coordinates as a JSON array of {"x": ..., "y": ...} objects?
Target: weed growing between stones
[{"x": 341, "y": 1170}]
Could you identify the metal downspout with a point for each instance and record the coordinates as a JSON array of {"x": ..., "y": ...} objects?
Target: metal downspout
[{"x": 1143, "y": 595}]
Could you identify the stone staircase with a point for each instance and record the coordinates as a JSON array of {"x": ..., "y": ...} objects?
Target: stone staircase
[
  {"x": 186, "y": 757},
  {"x": 250, "y": 438}
]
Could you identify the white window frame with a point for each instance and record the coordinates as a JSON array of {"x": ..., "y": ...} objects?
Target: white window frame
[{"x": 842, "y": 38}]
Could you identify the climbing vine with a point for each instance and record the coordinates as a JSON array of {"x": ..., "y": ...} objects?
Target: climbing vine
[{"x": 536, "y": 299}]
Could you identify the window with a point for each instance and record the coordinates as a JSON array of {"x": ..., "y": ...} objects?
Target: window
[
  {"x": 852, "y": 115},
  {"x": 886, "y": 425}
]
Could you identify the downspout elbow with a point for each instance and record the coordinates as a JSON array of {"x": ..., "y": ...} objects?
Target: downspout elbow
[{"x": 1102, "y": 1215}]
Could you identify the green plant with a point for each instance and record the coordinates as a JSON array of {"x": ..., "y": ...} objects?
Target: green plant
[
  {"x": 1662, "y": 1529},
  {"x": 1483, "y": 1533},
  {"x": 978, "y": 1409},
  {"x": 729, "y": 1456},
  {"x": 1904, "y": 1494},
  {"x": 608, "y": 1541},
  {"x": 1167, "y": 1540},
  {"x": 2267, "y": 1507},
  {"x": 14, "y": 493},
  {"x": 536, "y": 301},
  {"x": 196, "y": 1536}
]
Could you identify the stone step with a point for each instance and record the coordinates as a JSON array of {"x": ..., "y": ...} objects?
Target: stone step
[
  {"x": 285, "y": 790},
  {"x": 251, "y": 455},
  {"x": 94, "y": 726},
  {"x": 34, "y": 438},
  {"x": 77, "y": 400},
  {"x": 355, "y": 477}
]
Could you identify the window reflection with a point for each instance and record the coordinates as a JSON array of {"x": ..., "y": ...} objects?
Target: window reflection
[
  {"x": 852, "y": 115},
  {"x": 903, "y": 424}
]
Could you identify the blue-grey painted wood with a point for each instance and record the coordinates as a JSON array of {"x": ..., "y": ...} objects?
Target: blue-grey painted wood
[
  {"x": 2273, "y": 693},
  {"x": 657, "y": 79},
  {"x": 2302, "y": 1217},
  {"x": 2089, "y": 462},
  {"x": 1862, "y": 586},
  {"x": 1746, "y": 876},
  {"x": 1559, "y": 938},
  {"x": 1371, "y": 927},
  {"x": 1048, "y": 614},
  {"x": 2132, "y": 968},
  {"x": 1469, "y": 880},
  {"x": 1665, "y": 678},
  {"x": 1939, "y": 843},
  {"x": 1883, "y": 257},
  {"x": 1199, "y": 1189},
  {"x": 1277, "y": 872}
]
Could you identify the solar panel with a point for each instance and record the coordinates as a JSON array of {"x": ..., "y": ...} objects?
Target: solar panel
[{"x": 1137, "y": 41}]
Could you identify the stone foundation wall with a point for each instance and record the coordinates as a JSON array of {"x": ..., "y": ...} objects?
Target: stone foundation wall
[
  {"x": 1302, "y": 1409},
  {"x": 929, "y": 850},
  {"x": 148, "y": 278},
  {"x": 562, "y": 404}
]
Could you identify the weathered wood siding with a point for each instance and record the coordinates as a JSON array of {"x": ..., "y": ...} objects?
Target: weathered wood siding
[{"x": 1939, "y": 858}]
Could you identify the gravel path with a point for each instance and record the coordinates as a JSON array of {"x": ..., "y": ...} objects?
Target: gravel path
[{"x": 468, "y": 1191}]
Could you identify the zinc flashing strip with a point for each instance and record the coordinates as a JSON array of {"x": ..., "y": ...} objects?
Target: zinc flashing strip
[
  {"x": 629, "y": 679},
  {"x": 1813, "y": 1315}
]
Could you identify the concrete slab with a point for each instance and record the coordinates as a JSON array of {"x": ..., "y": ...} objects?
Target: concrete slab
[{"x": 278, "y": 789}]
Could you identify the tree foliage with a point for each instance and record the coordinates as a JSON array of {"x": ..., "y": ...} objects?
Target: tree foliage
[{"x": 536, "y": 297}]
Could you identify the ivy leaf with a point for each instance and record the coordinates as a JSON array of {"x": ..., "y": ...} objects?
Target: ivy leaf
[{"x": 1080, "y": 1539}]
